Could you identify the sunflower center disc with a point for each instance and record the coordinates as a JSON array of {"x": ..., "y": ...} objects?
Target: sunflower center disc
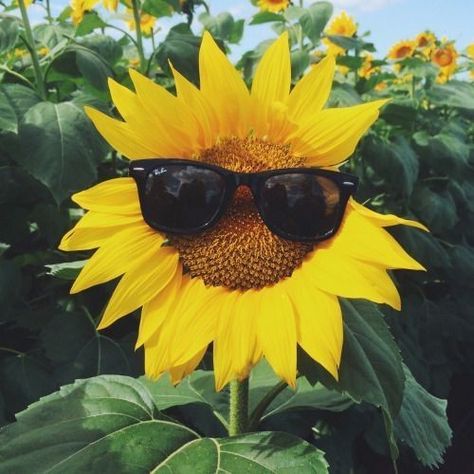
[{"x": 240, "y": 252}]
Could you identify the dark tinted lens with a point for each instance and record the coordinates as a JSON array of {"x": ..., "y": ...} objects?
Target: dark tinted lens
[
  {"x": 181, "y": 198},
  {"x": 301, "y": 205}
]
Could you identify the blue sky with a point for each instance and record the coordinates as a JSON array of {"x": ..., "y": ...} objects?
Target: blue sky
[{"x": 387, "y": 20}]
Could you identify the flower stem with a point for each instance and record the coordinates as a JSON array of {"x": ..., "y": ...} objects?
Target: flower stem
[
  {"x": 31, "y": 46},
  {"x": 264, "y": 404},
  {"x": 138, "y": 29},
  {"x": 238, "y": 410}
]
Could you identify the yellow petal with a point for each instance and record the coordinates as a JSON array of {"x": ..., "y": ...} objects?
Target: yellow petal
[
  {"x": 311, "y": 93},
  {"x": 157, "y": 309},
  {"x": 222, "y": 85},
  {"x": 277, "y": 333},
  {"x": 173, "y": 119},
  {"x": 343, "y": 276},
  {"x": 179, "y": 372},
  {"x": 271, "y": 83},
  {"x": 94, "y": 228},
  {"x": 117, "y": 255},
  {"x": 318, "y": 323},
  {"x": 330, "y": 136},
  {"x": 204, "y": 113},
  {"x": 120, "y": 135},
  {"x": 148, "y": 276},
  {"x": 115, "y": 196},
  {"x": 384, "y": 220},
  {"x": 273, "y": 74},
  {"x": 194, "y": 319},
  {"x": 235, "y": 347},
  {"x": 361, "y": 238}
]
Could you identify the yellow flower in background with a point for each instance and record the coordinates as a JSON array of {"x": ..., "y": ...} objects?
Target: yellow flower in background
[
  {"x": 43, "y": 51},
  {"x": 80, "y": 7},
  {"x": 446, "y": 58},
  {"x": 273, "y": 6},
  {"x": 20, "y": 53},
  {"x": 27, "y": 3},
  {"x": 425, "y": 39},
  {"x": 342, "y": 25},
  {"x": 367, "y": 69},
  {"x": 471, "y": 74},
  {"x": 147, "y": 22},
  {"x": 237, "y": 285},
  {"x": 380, "y": 86},
  {"x": 401, "y": 50},
  {"x": 470, "y": 51}
]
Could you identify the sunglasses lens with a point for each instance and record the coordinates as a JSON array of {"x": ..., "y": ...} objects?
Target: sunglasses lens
[
  {"x": 301, "y": 205},
  {"x": 181, "y": 198}
]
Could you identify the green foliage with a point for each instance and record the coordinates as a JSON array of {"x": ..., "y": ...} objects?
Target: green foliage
[
  {"x": 112, "y": 423},
  {"x": 397, "y": 369}
]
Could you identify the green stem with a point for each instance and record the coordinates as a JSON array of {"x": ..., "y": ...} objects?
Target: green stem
[
  {"x": 18, "y": 76},
  {"x": 48, "y": 12},
  {"x": 238, "y": 410},
  {"x": 31, "y": 48},
  {"x": 264, "y": 404},
  {"x": 138, "y": 29}
]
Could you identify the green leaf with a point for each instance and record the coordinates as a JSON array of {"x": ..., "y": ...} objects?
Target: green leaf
[
  {"x": 181, "y": 48},
  {"x": 10, "y": 286},
  {"x": 345, "y": 42},
  {"x": 395, "y": 161},
  {"x": 457, "y": 94},
  {"x": 299, "y": 63},
  {"x": 157, "y": 8},
  {"x": 66, "y": 270},
  {"x": 9, "y": 32},
  {"x": 315, "y": 19},
  {"x": 343, "y": 95},
  {"x": 106, "y": 47},
  {"x": 237, "y": 32},
  {"x": 436, "y": 209},
  {"x": 81, "y": 351},
  {"x": 52, "y": 35},
  {"x": 220, "y": 26},
  {"x": 50, "y": 134},
  {"x": 422, "y": 423},
  {"x": 111, "y": 424},
  {"x": 15, "y": 100},
  {"x": 24, "y": 379},
  {"x": 89, "y": 23},
  {"x": 462, "y": 261},
  {"x": 371, "y": 367},
  {"x": 317, "y": 397},
  {"x": 266, "y": 17}
]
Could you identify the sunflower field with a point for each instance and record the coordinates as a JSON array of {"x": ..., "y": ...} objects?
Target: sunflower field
[{"x": 243, "y": 351}]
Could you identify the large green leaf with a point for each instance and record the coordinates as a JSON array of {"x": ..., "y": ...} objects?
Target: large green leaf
[
  {"x": 454, "y": 94},
  {"x": 220, "y": 26},
  {"x": 371, "y": 367},
  {"x": 266, "y": 17},
  {"x": 181, "y": 48},
  {"x": 395, "y": 161},
  {"x": 9, "y": 31},
  {"x": 111, "y": 424},
  {"x": 60, "y": 147},
  {"x": 422, "y": 423},
  {"x": 15, "y": 100},
  {"x": 66, "y": 270},
  {"x": 314, "y": 20}
]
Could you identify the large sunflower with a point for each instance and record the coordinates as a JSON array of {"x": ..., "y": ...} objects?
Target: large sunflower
[{"x": 238, "y": 286}]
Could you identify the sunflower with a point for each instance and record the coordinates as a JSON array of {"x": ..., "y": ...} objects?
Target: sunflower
[
  {"x": 368, "y": 69},
  {"x": 342, "y": 25},
  {"x": 80, "y": 7},
  {"x": 446, "y": 58},
  {"x": 470, "y": 51},
  {"x": 147, "y": 22},
  {"x": 425, "y": 43},
  {"x": 401, "y": 50},
  {"x": 237, "y": 285},
  {"x": 273, "y": 6}
]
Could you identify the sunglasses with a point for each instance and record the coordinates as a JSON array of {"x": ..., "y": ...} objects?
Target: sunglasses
[{"x": 186, "y": 197}]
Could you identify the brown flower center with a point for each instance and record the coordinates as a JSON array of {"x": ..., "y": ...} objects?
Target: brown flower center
[{"x": 240, "y": 252}]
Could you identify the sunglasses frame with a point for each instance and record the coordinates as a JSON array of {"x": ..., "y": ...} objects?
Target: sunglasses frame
[{"x": 347, "y": 184}]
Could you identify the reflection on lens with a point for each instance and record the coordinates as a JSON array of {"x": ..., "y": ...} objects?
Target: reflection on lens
[
  {"x": 300, "y": 204},
  {"x": 182, "y": 197}
]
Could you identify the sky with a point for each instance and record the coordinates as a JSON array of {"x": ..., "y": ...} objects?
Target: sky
[{"x": 387, "y": 20}]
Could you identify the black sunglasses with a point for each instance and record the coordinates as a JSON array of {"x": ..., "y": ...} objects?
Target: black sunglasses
[{"x": 185, "y": 197}]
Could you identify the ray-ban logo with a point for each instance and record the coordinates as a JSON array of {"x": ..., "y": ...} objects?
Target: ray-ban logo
[{"x": 159, "y": 171}]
